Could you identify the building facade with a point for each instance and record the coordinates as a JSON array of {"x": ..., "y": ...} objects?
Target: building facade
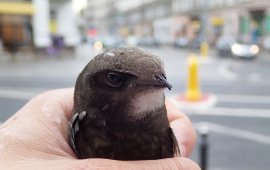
[
  {"x": 33, "y": 23},
  {"x": 168, "y": 20}
]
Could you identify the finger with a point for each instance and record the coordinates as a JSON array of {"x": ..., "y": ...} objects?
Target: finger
[
  {"x": 182, "y": 128},
  {"x": 171, "y": 163},
  {"x": 173, "y": 112},
  {"x": 54, "y": 102},
  {"x": 103, "y": 164},
  {"x": 44, "y": 118},
  {"x": 53, "y": 108},
  {"x": 60, "y": 98}
]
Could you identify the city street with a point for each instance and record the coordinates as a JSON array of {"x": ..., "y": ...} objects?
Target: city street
[{"x": 239, "y": 123}]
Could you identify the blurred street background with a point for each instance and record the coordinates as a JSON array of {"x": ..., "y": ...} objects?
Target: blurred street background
[{"x": 45, "y": 44}]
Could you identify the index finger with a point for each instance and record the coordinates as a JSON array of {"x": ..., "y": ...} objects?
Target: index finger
[{"x": 182, "y": 128}]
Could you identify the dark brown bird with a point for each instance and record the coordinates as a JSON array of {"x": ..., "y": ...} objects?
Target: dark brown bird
[{"x": 119, "y": 108}]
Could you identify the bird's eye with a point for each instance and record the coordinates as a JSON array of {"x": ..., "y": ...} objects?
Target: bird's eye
[{"x": 115, "y": 79}]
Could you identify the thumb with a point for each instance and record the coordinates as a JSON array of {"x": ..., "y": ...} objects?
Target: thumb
[{"x": 179, "y": 163}]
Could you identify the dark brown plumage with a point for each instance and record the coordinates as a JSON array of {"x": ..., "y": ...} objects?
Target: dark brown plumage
[{"x": 119, "y": 109}]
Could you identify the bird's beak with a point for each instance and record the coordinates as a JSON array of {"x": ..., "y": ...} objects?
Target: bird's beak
[{"x": 162, "y": 81}]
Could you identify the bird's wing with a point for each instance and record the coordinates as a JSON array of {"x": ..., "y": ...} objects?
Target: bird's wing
[
  {"x": 169, "y": 147},
  {"x": 74, "y": 129},
  {"x": 88, "y": 136},
  {"x": 176, "y": 149}
]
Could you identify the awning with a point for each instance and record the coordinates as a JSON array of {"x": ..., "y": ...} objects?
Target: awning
[{"x": 20, "y": 8}]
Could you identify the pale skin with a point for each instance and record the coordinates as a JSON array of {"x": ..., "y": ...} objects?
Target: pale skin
[{"x": 36, "y": 138}]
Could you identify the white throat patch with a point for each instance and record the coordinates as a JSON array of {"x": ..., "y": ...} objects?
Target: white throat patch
[{"x": 147, "y": 102}]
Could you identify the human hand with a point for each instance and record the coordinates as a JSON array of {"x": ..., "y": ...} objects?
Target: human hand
[{"x": 36, "y": 138}]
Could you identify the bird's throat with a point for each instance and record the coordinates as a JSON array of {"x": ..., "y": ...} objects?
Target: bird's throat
[{"x": 147, "y": 102}]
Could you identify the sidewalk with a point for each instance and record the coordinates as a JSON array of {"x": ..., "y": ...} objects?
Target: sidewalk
[
  {"x": 81, "y": 52},
  {"x": 30, "y": 65}
]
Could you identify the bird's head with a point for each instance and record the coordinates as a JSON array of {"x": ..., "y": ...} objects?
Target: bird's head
[{"x": 130, "y": 79}]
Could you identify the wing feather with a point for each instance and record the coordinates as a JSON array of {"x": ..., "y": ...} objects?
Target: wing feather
[{"x": 74, "y": 129}]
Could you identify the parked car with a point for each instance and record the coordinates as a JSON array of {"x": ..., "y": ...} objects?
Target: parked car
[
  {"x": 266, "y": 43},
  {"x": 106, "y": 42},
  {"x": 227, "y": 46},
  {"x": 132, "y": 41},
  {"x": 181, "y": 42},
  {"x": 148, "y": 42},
  {"x": 196, "y": 43},
  {"x": 247, "y": 51}
]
